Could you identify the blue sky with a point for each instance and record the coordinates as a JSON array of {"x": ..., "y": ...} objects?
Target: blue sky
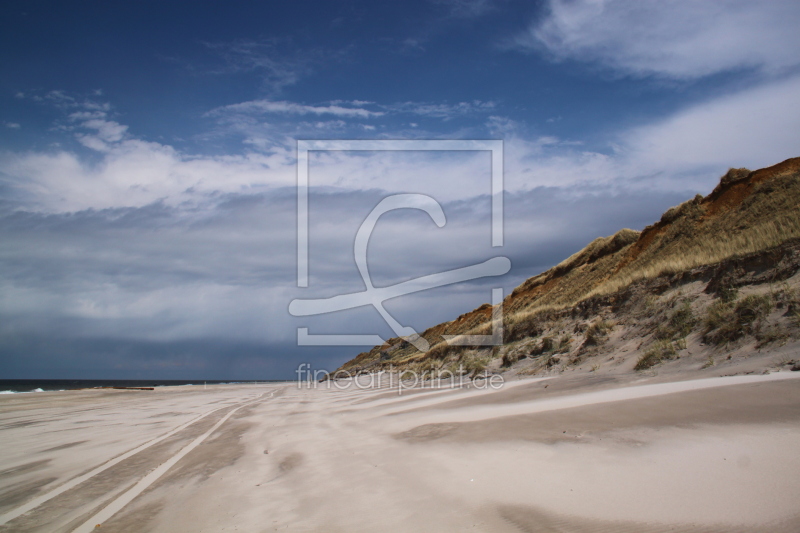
[{"x": 147, "y": 158}]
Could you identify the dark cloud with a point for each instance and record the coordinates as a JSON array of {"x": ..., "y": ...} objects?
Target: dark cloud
[
  {"x": 173, "y": 292},
  {"x": 54, "y": 357}
]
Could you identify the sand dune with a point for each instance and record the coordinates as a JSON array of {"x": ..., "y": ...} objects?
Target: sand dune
[{"x": 566, "y": 454}]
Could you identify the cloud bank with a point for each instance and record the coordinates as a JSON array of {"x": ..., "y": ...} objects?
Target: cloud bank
[{"x": 682, "y": 39}]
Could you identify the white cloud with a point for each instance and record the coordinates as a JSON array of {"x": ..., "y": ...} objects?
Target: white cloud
[
  {"x": 689, "y": 150},
  {"x": 59, "y": 97},
  {"x": 292, "y": 108},
  {"x": 356, "y": 110},
  {"x": 135, "y": 173},
  {"x": 440, "y": 110},
  {"x": 269, "y": 124},
  {"x": 444, "y": 175},
  {"x": 132, "y": 172},
  {"x": 754, "y": 128},
  {"x": 542, "y": 163},
  {"x": 12, "y": 125},
  {"x": 682, "y": 39},
  {"x": 412, "y": 44},
  {"x": 686, "y": 151},
  {"x": 357, "y": 103},
  {"x": 105, "y": 131}
]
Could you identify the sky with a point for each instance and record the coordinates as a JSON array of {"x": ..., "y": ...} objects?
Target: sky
[{"x": 148, "y": 173}]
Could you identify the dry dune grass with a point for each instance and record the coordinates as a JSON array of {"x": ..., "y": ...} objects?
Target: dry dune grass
[
  {"x": 706, "y": 251},
  {"x": 748, "y": 212}
]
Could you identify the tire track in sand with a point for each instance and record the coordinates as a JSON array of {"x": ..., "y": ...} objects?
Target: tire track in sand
[
  {"x": 74, "y": 482},
  {"x": 117, "y": 505}
]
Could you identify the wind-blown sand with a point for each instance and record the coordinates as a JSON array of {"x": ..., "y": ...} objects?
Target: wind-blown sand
[{"x": 583, "y": 453}]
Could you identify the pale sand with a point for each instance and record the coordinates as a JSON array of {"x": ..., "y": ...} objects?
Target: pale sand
[{"x": 570, "y": 454}]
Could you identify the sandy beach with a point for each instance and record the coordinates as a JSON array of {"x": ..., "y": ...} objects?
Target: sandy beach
[{"x": 579, "y": 453}]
